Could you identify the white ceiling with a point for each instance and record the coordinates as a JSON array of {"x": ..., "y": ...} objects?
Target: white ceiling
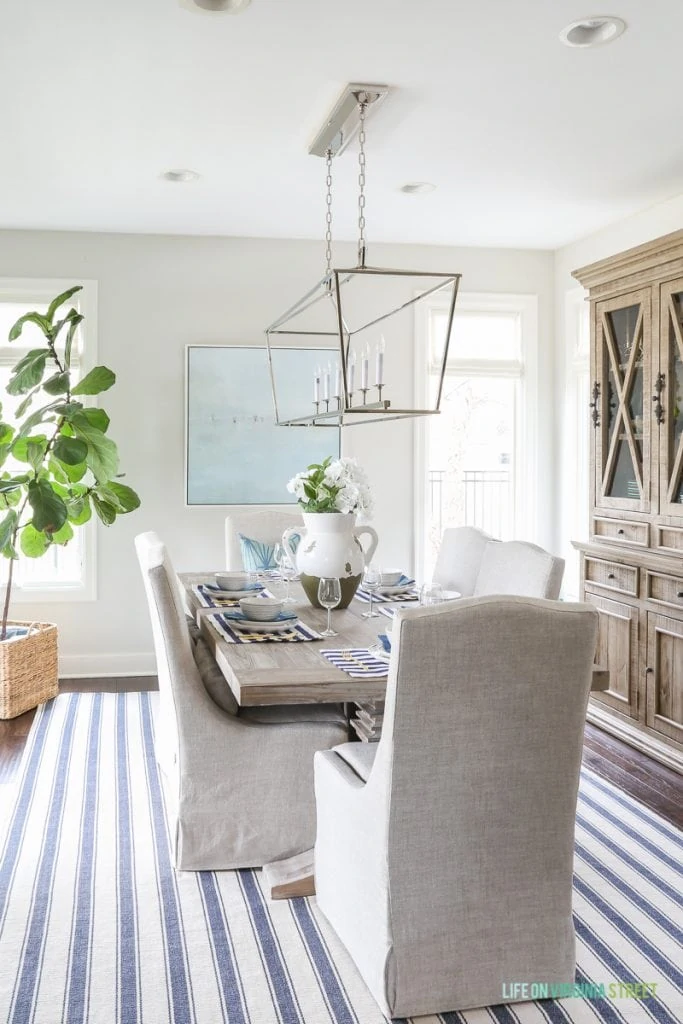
[{"x": 530, "y": 143}]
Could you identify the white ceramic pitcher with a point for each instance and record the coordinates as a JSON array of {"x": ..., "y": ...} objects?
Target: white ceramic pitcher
[{"x": 329, "y": 546}]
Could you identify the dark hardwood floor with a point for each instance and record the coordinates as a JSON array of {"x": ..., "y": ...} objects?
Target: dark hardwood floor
[{"x": 654, "y": 785}]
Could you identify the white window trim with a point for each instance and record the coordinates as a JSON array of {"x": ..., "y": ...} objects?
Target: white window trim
[
  {"x": 574, "y": 436},
  {"x": 527, "y": 414},
  {"x": 36, "y": 290}
]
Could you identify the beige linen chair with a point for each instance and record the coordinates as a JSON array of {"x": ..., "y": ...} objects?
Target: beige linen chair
[
  {"x": 240, "y": 787},
  {"x": 517, "y": 567},
  {"x": 454, "y": 834},
  {"x": 459, "y": 558},
  {"x": 265, "y": 525}
]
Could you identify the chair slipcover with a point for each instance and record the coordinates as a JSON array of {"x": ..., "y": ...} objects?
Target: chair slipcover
[
  {"x": 459, "y": 558},
  {"x": 458, "y": 847},
  {"x": 517, "y": 567},
  {"x": 265, "y": 525},
  {"x": 240, "y": 790}
]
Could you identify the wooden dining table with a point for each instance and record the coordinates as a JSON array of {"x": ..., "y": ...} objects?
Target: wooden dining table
[{"x": 297, "y": 673}]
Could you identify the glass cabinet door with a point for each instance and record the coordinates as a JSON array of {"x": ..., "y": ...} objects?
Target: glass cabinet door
[
  {"x": 669, "y": 387},
  {"x": 622, "y": 413}
]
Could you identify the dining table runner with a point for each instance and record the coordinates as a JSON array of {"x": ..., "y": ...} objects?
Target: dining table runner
[
  {"x": 298, "y": 633},
  {"x": 357, "y": 662}
]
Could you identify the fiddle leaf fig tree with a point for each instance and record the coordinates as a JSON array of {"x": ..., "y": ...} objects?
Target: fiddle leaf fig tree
[{"x": 57, "y": 463}]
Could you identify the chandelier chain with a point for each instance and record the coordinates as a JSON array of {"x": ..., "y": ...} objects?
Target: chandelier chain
[
  {"x": 362, "y": 107},
  {"x": 328, "y": 214}
]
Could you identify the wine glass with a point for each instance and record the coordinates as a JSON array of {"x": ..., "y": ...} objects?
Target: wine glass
[
  {"x": 372, "y": 577},
  {"x": 283, "y": 562},
  {"x": 329, "y": 596}
]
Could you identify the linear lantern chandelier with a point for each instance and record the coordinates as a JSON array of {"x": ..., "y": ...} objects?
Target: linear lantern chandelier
[{"x": 358, "y": 319}]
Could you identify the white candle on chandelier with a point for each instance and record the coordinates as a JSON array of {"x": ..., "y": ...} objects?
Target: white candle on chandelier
[
  {"x": 352, "y": 373},
  {"x": 316, "y": 385},
  {"x": 337, "y": 380},
  {"x": 364, "y": 367},
  {"x": 326, "y": 382},
  {"x": 379, "y": 362}
]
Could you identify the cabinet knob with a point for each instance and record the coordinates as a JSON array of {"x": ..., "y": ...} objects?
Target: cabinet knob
[
  {"x": 620, "y": 532},
  {"x": 610, "y": 576},
  {"x": 680, "y": 593},
  {"x": 649, "y": 671}
]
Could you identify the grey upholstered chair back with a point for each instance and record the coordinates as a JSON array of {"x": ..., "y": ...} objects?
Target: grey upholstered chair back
[
  {"x": 459, "y": 558},
  {"x": 518, "y": 568},
  {"x": 265, "y": 525},
  {"x": 482, "y": 792}
]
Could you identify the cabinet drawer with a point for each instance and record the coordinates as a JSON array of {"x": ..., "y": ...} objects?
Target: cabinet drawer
[
  {"x": 670, "y": 538},
  {"x": 666, "y": 590},
  {"x": 622, "y": 531},
  {"x": 612, "y": 576}
]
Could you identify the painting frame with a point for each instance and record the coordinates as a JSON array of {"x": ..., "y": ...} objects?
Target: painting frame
[{"x": 292, "y": 447}]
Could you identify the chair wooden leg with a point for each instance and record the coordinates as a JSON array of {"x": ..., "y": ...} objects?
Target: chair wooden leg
[{"x": 286, "y": 879}]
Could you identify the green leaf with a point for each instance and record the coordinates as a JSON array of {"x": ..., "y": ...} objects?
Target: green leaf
[
  {"x": 26, "y": 402},
  {"x": 28, "y": 372},
  {"x": 70, "y": 450},
  {"x": 49, "y": 511},
  {"x": 64, "y": 535},
  {"x": 32, "y": 542},
  {"x": 9, "y": 551},
  {"x": 39, "y": 416},
  {"x": 57, "y": 471},
  {"x": 126, "y": 498},
  {"x": 6, "y": 433},
  {"x": 106, "y": 511},
  {"x": 68, "y": 409},
  {"x": 97, "y": 418},
  {"x": 20, "y": 446},
  {"x": 7, "y": 527},
  {"x": 60, "y": 300},
  {"x": 35, "y": 450},
  {"x": 30, "y": 318},
  {"x": 75, "y": 473},
  {"x": 82, "y": 516},
  {"x": 70, "y": 340},
  {"x": 57, "y": 384},
  {"x": 100, "y": 378},
  {"x": 11, "y": 483},
  {"x": 103, "y": 456}
]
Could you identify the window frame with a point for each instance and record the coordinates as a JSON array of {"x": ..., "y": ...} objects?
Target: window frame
[
  {"x": 33, "y": 291},
  {"x": 526, "y": 454}
]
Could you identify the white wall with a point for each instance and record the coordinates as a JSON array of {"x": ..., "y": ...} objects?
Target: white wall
[
  {"x": 642, "y": 227},
  {"x": 156, "y": 294}
]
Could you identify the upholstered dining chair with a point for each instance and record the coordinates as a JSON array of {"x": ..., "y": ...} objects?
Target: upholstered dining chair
[
  {"x": 459, "y": 558},
  {"x": 455, "y": 831},
  {"x": 239, "y": 781},
  {"x": 517, "y": 567},
  {"x": 265, "y": 526}
]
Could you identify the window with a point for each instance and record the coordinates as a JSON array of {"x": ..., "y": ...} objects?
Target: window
[
  {"x": 63, "y": 572},
  {"x": 477, "y": 458},
  {"x": 575, "y": 434}
]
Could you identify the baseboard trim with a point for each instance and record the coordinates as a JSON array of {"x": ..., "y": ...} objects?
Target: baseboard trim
[
  {"x": 88, "y": 666},
  {"x": 631, "y": 734}
]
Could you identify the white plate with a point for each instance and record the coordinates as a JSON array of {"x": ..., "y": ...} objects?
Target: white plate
[
  {"x": 263, "y": 627},
  {"x": 234, "y": 595},
  {"x": 385, "y": 591}
]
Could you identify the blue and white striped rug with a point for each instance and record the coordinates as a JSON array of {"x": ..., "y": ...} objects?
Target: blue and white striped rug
[{"x": 96, "y": 927}]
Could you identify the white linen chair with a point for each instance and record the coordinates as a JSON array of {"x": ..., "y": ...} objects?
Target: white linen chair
[
  {"x": 265, "y": 525},
  {"x": 519, "y": 568},
  {"x": 455, "y": 831},
  {"x": 459, "y": 558},
  {"x": 240, "y": 787}
]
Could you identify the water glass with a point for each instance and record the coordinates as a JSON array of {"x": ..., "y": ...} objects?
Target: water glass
[
  {"x": 372, "y": 577},
  {"x": 329, "y": 596},
  {"x": 431, "y": 593}
]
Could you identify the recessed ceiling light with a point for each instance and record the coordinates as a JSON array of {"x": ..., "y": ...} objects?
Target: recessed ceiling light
[
  {"x": 594, "y": 31},
  {"x": 417, "y": 188},
  {"x": 216, "y": 6},
  {"x": 180, "y": 174}
]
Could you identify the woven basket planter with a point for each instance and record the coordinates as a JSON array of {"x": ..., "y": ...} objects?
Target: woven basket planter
[{"x": 28, "y": 669}]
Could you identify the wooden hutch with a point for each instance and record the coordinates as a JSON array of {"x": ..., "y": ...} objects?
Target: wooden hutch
[{"x": 632, "y": 565}]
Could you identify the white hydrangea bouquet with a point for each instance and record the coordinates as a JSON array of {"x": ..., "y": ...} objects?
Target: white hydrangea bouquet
[{"x": 334, "y": 485}]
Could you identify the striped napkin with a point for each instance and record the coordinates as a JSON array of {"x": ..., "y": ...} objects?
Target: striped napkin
[
  {"x": 210, "y": 596},
  {"x": 295, "y": 635},
  {"x": 357, "y": 662},
  {"x": 380, "y": 598}
]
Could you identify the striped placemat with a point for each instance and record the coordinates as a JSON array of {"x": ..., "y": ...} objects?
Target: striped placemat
[
  {"x": 210, "y": 596},
  {"x": 379, "y": 598},
  {"x": 295, "y": 635},
  {"x": 357, "y": 662}
]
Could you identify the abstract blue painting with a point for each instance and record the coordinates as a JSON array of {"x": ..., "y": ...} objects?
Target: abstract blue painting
[{"x": 236, "y": 455}]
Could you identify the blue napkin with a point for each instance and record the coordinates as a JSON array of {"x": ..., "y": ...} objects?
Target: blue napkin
[
  {"x": 240, "y": 617},
  {"x": 385, "y": 641}
]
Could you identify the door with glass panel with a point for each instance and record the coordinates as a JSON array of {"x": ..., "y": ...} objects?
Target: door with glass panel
[
  {"x": 668, "y": 394},
  {"x": 621, "y": 405}
]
